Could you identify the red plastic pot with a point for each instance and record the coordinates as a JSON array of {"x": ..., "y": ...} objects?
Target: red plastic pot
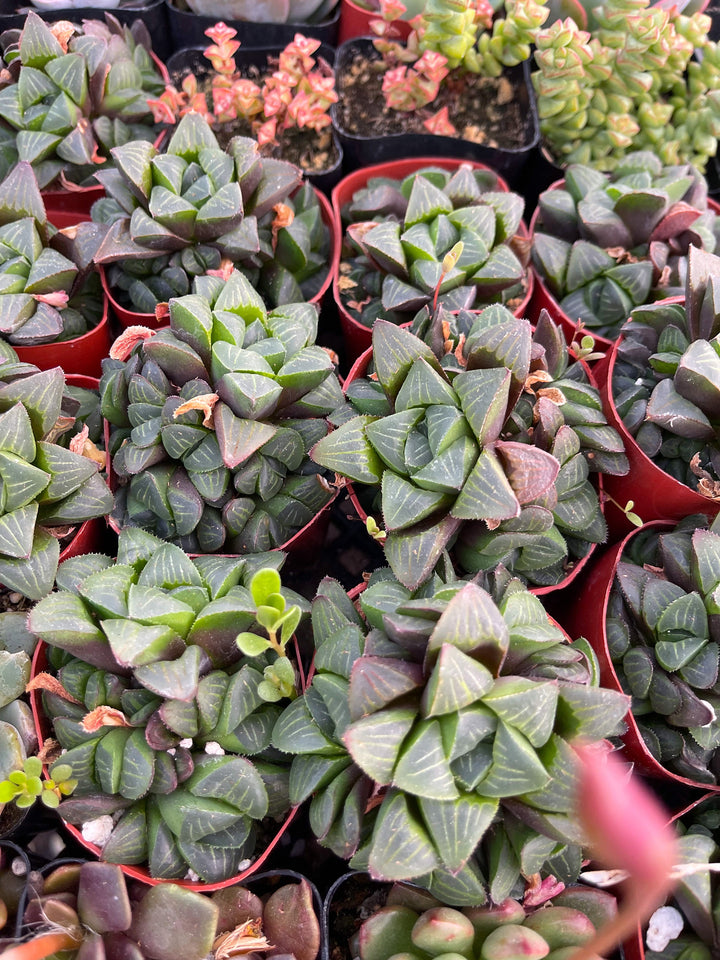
[
  {"x": 130, "y": 318},
  {"x": 77, "y": 200},
  {"x": 355, "y": 22},
  {"x": 656, "y": 495},
  {"x": 586, "y": 617},
  {"x": 357, "y": 337},
  {"x": 81, "y": 355}
]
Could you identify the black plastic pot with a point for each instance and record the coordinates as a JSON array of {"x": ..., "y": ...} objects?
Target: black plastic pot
[
  {"x": 191, "y": 60},
  {"x": 510, "y": 163},
  {"x": 13, "y": 928},
  {"x": 151, "y": 12},
  {"x": 187, "y": 29}
]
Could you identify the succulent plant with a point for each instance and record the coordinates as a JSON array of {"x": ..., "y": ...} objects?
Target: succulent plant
[
  {"x": 47, "y": 488},
  {"x": 666, "y": 376},
  {"x": 272, "y": 11},
  {"x": 398, "y": 233},
  {"x": 641, "y": 77},
  {"x": 196, "y": 209},
  {"x": 67, "y": 95},
  {"x": 49, "y": 290},
  {"x": 509, "y": 929},
  {"x": 158, "y": 709},
  {"x": 18, "y": 740},
  {"x": 501, "y": 474},
  {"x": 211, "y": 420},
  {"x": 23, "y": 787},
  {"x": 604, "y": 244},
  {"x": 687, "y": 927},
  {"x": 433, "y": 737},
  {"x": 663, "y": 640},
  {"x": 81, "y": 908}
]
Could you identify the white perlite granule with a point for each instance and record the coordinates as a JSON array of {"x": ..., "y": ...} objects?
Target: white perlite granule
[
  {"x": 187, "y": 743},
  {"x": 18, "y": 867},
  {"x": 98, "y": 831},
  {"x": 214, "y": 749},
  {"x": 665, "y": 925}
]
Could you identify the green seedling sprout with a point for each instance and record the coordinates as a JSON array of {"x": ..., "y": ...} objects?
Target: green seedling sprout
[
  {"x": 24, "y": 787},
  {"x": 279, "y": 621}
]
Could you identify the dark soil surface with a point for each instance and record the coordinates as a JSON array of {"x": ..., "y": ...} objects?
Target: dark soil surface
[{"x": 484, "y": 110}]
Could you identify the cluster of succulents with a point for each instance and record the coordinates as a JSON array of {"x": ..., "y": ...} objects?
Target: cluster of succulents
[
  {"x": 663, "y": 640},
  {"x": 640, "y": 77},
  {"x": 398, "y": 233},
  {"x": 195, "y": 209},
  {"x": 68, "y": 94},
  {"x": 606, "y": 243},
  {"x": 211, "y": 420},
  {"x": 435, "y": 734},
  {"x": 49, "y": 290},
  {"x": 464, "y": 457},
  {"x": 406, "y": 925},
  {"x": 81, "y": 908},
  {"x": 666, "y": 375},
  {"x": 159, "y": 709}
]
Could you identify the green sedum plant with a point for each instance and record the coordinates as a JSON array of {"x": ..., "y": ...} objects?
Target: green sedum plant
[
  {"x": 604, "y": 244},
  {"x": 641, "y": 77},
  {"x": 464, "y": 458},
  {"x": 194, "y": 209},
  {"x": 49, "y": 290},
  {"x": 434, "y": 736},
  {"x": 666, "y": 375},
  {"x": 211, "y": 420},
  {"x": 46, "y": 487},
  {"x": 70, "y": 94},
  {"x": 158, "y": 708},
  {"x": 397, "y": 234},
  {"x": 663, "y": 642}
]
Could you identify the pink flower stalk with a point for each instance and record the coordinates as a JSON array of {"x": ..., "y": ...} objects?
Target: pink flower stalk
[{"x": 628, "y": 830}]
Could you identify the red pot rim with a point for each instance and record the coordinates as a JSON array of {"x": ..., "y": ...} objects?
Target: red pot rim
[
  {"x": 588, "y": 617},
  {"x": 131, "y": 318},
  {"x": 84, "y": 353},
  {"x": 355, "y": 22},
  {"x": 356, "y": 336},
  {"x": 657, "y": 495},
  {"x": 39, "y": 663}
]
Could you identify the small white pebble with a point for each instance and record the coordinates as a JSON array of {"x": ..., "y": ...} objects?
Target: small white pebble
[
  {"x": 171, "y": 751},
  {"x": 192, "y": 876},
  {"x": 187, "y": 743},
  {"x": 14, "y": 597},
  {"x": 98, "y": 831},
  {"x": 710, "y": 707},
  {"x": 665, "y": 925},
  {"x": 243, "y": 865},
  {"x": 214, "y": 749},
  {"x": 18, "y": 867}
]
